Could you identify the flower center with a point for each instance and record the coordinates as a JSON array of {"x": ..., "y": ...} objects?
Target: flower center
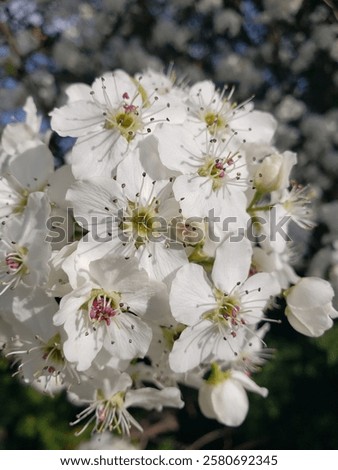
[
  {"x": 214, "y": 121},
  {"x": 104, "y": 307},
  {"x": 140, "y": 222},
  {"x": 215, "y": 170},
  {"x": 227, "y": 311},
  {"x": 109, "y": 413},
  {"x": 52, "y": 352},
  {"x": 13, "y": 268},
  {"x": 108, "y": 408},
  {"x": 13, "y": 262},
  {"x": 21, "y": 206},
  {"x": 101, "y": 310},
  {"x": 126, "y": 119}
]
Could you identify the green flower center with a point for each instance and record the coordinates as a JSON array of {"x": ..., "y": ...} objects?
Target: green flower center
[
  {"x": 215, "y": 122},
  {"x": 127, "y": 121},
  {"x": 21, "y": 206},
  {"x": 213, "y": 169},
  {"x": 172, "y": 334},
  {"x": 140, "y": 222},
  {"x": 216, "y": 375},
  {"x": 227, "y": 311},
  {"x": 52, "y": 352}
]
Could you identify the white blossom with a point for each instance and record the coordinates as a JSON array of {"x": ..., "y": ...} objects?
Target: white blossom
[
  {"x": 309, "y": 306},
  {"x": 25, "y": 173},
  {"x": 116, "y": 114},
  {"x": 24, "y": 251},
  {"x": 218, "y": 313},
  {"x": 131, "y": 216},
  {"x": 214, "y": 110},
  {"x": 104, "y": 313},
  {"x": 223, "y": 396},
  {"x": 109, "y": 399}
]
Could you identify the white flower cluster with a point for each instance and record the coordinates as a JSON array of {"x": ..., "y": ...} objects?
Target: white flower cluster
[{"x": 151, "y": 258}]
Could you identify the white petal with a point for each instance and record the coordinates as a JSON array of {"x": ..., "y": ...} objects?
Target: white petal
[
  {"x": 83, "y": 343},
  {"x": 125, "y": 277},
  {"x": 16, "y": 136},
  {"x": 232, "y": 263},
  {"x": 311, "y": 322},
  {"x": 33, "y": 167},
  {"x": 150, "y": 159},
  {"x": 140, "y": 296},
  {"x": 90, "y": 200},
  {"x": 77, "y": 118},
  {"x": 130, "y": 172},
  {"x": 204, "y": 91},
  {"x": 166, "y": 108},
  {"x": 191, "y": 294},
  {"x": 263, "y": 127},
  {"x": 161, "y": 262},
  {"x": 289, "y": 160},
  {"x": 98, "y": 154},
  {"x": 88, "y": 251},
  {"x": 248, "y": 383},
  {"x": 310, "y": 292},
  {"x": 32, "y": 118},
  {"x": 230, "y": 403},
  {"x": 194, "y": 346},
  {"x": 176, "y": 145},
  {"x": 28, "y": 302},
  {"x": 110, "y": 91},
  {"x": 129, "y": 337},
  {"x": 195, "y": 195},
  {"x": 205, "y": 402},
  {"x": 59, "y": 182},
  {"x": 151, "y": 398},
  {"x": 256, "y": 293},
  {"x": 117, "y": 382},
  {"x": 71, "y": 303},
  {"x": 78, "y": 92}
]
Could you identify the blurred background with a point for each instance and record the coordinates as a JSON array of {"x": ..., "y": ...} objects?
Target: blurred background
[{"x": 285, "y": 53}]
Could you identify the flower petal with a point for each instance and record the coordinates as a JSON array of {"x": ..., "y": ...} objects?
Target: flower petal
[
  {"x": 129, "y": 337},
  {"x": 230, "y": 403},
  {"x": 77, "y": 118},
  {"x": 191, "y": 294},
  {"x": 194, "y": 346},
  {"x": 232, "y": 263}
]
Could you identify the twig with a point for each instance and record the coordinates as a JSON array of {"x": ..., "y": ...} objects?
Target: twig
[
  {"x": 4, "y": 29},
  {"x": 207, "y": 438},
  {"x": 333, "y": 7},
  {"x": 169, "y": 423}
]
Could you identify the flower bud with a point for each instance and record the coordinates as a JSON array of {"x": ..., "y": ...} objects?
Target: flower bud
[
  {"x": 309, "y": 306},
  {"x": 273, "y": 172}
]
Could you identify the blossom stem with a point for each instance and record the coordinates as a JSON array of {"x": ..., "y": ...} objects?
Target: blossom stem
[
  {"x": 257, "y": 196},
  {"x": 266, "y": 207}
]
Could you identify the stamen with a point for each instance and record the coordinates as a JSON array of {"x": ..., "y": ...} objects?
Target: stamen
[{"x": 101, "y": 310}]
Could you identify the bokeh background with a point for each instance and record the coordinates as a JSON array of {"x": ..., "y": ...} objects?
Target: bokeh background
[{"x": 285, "y": 53}]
